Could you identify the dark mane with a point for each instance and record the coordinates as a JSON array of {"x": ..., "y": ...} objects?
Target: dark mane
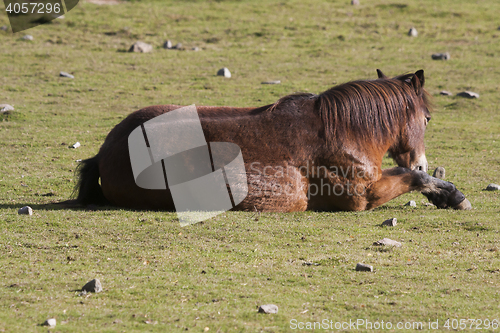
[
  {"x": 291, "y": 98},
  {"x": 373, "y": 110}
]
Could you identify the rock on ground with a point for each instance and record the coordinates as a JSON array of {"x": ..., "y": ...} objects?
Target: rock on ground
[
  {"x": 493, "y": 187},
  {"x": 167, "y": 45},
  {"x": 224, "y": 72},
  {"x": 411, "y": 204},
  {"x": 6, "y": 107},
  {"x": 390, "y": 222},
  {"x": 50, "y": 322},
  {"x": 27, "y": 37},
  {"x": 388, "y": 242},
  {"x": 271, "y": 82},
  {"x": 354, "y": 2},
  {"x": 445, "y": 93},
  {"x": 26, "y": 210},
  {"x": 440, "y": 172},
  {"x": 468, "y": 94},
  {"x": 364, "y": 268},
  {"x": 441, "y": 56},
  {"x": 93, "y": 286},
  {"x": 268, "y": 308},
  {"x": 412, "y": 32},
  {"x": 141, "y": 47},
  {"x": 64, "y": 74}
]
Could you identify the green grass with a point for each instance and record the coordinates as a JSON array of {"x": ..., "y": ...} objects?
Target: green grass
[{"x": 214, "y": 274}]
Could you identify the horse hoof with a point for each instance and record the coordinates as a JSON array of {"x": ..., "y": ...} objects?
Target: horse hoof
[{"x": 464, "y": 205}]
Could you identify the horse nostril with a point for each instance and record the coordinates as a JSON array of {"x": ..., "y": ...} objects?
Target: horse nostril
[{"x": 419, "y": 168}]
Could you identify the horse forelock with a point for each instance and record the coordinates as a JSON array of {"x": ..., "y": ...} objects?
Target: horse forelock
[{"x": 374, "y": 110}]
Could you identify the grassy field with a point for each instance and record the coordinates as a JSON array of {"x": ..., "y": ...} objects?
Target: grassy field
[{"x": 160, "y": 277}]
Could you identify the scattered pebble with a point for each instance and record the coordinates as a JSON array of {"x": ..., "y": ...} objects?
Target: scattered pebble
[
  {"x": 387, "y": 241},
  {"x": 167, "y": 45},
  {"x": 26, "y": 210},
  {"x": 50, "y": 322},
  {"x": 196, "y": 48},
  {"x": 308, "y": 263},
  {"x": 411, "y": 204},
  {"x": 177, "y": 46},
  {"x": 6, "y": 107},
  {"x": 441, "y": 56},
  {"x": 268, "y": 308},
  {"x": 271, "y": 82},
  {"x": 493, "y": 187},
  {"x": 93, "y": 286},
  {"x": 390, "y": 222},
  {"x": 61, "y": 17},
  {"x": 64, "y": 74},
  {"x": 445, "y": 93},
  {"x": 141, "y": 47},
  {"x": 27, "y": 37},
  {"x": 412, "y": 32},
  {"x": 76, "y": 145},
  {"x": 354, "y": 2},
  {"x": 4, "y": 28},
  {"x": 364, "y": 267},
  {"x": 468, "y": 94},
  {"x": 224, "y": 72},
  {"x": 440, "y": 172}
]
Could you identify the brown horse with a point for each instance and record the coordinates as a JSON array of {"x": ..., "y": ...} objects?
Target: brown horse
[{"x": 318, "y": 152}]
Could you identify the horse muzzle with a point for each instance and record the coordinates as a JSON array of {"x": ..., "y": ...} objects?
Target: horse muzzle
[{"x": 421, "y": 164}]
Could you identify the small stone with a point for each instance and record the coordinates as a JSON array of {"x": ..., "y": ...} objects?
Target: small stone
[
  {"x": 468, "y": 94},
  {"x": 493, "y": 187},
  {"x": 196, "y": 49},
  {"x": 441, "y": 56},
  {"x": 308, "y": 263},
  {"x": 440, "y": 172},
  {"x": 93, "y": 286},
  {"x": 4, "y": 28},
  {"x": 354, "y": 2},
  {"x": 60, "y": 17},
  {"x": 445, "y": 93},
  {"x": 388, "y": 242},
  {"x": 76, "y": 145},
  {"x": 412, "y": 32},
  {"x": 268, "y": 308},
  {"x": 64, "y": 74},
  {"x": 27, "y": 37},
  {"x": 224, "y": 72},
  {"x": 390, "y": 222},
  {"x": 26, "y": 210},
  {"x": 364, "y": 267},
  {"x": 411, "y": 204},
  {"x": 50, "y": 322},
  {"x": 271, "y": 82},
  {"x": 177, "y": 46},
  {"x": 117, "y": 321},
  {"x": 167, "y": 45},
  {"x": 6, "y": 107},
  {"x": 141, "y": 47}
]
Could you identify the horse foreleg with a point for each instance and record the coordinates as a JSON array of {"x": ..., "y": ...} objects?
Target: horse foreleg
[{"x": 397, "y": 181}]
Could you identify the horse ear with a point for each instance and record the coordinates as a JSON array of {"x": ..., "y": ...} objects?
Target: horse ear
[
  {"x": 420, "y": 75},
  {"x": 381, "y": 75},
  {"x": 418, "y": 81}
]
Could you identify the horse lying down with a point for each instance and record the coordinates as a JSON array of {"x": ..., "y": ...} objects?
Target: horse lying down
[{"x": 306, "y": 151}]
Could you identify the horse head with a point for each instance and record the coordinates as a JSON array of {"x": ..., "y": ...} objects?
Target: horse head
[{"x": 409, "y": 150}]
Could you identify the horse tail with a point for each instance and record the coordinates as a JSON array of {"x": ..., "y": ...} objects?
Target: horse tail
[{"x": 88, "y": 187}]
